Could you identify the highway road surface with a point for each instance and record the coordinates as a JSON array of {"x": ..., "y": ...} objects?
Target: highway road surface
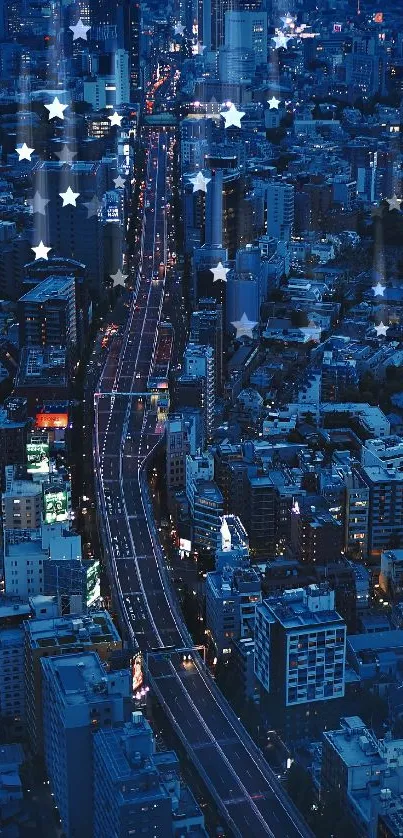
[{"x": 127, "y": 432}]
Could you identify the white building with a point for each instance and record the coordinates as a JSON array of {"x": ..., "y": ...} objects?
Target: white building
[
  {"x": 300, "y": 646},
  {"x": 280, "y": 210},
  {"x": 23, "y": 568}
]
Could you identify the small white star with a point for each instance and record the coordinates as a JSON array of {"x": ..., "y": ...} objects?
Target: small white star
[
  {"x": 41, "y": 251},
  {"x": 288, "y": 20},
  {"x": 115, "y": 119},
  {"x": 118, "y": 278},
  {"x": 381, "y": 330},
  {"x": 79, "y": 30},
  {"x": 93, "y": 206},
  {"x": 24, "y": 153},
  {"x": 219, "y": 272},
  {"x": 280, "y": 40},
  {"x": 119, "y": 182},
  {"x": 198, "y": 48},
  {"x": 232, "y": 116},
  {"x": 65, "y": 155},
  {"x": 244, "y": 326},
  {"x": 200, "y": 182},
  {"x": 179, "y": 29},
  {"x": 273, "y": 103},
  {"x": 38, "y": 203},
  {"x": 378, "y": 289},
  {"x": 394, "y": 203},
  {"x": 69, "y": 197},
  {"x": 56, "y": 108}
]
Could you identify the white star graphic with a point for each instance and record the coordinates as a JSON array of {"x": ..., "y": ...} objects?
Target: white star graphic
[
  {"x": 179, "y": 29},
  {"x": 115, "y": 119},
  {"x": 244, "y": 326},
  {"x": 288, "y": 20},
  {"x": 41, "y": 251},
  {"x": 56, "y": 108},
  {"x": 118, "y": 278},
  {"x": 79, "y": 30},
  {"x": 381, "y": 329},
  {"x": 219, "y": 272},
  {"x": 38, "y": 203},
  {"x": 93, "y": 206},
  {"x": 394, "y": 203},
  {"x": 200, "y": 182},
  {"x": 65, "y": 155},
  {"x": 273, "y": 103},
  {"x": 69, "y": 197},
  {"x": 198, "y": 48},
  {"x": 24, "y": 153},
  {"x": 378, "y": 289},
  {"x": 232, "y": 116},
  {"x": 280, "y": 40},
  {"x": 119, "y": 182}
]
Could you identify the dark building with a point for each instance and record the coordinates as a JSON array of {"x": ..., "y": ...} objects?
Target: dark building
[
  {"x": 47, "y": 314},
  {"x": 14, "y": 426},
  {"x": 39, "y": 270},
  {"x": 206, "y": 329},
  {"x": 316, "y": 536},
  {"x": 260, "y": 515}
]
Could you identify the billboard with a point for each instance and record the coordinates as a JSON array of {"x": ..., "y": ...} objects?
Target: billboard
[
  {"x": 56, "y": 505},
  {"x": 93, "y": 583},
  {"x": 185, "y": 546},
  {"x": 38, "y": 457},
  {"x": 137, "y": 672},
  {"x": 51, "y": 420}
]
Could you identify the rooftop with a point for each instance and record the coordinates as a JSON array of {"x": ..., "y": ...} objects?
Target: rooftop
[
  {"x": 78, "y": 676},
  {"x": 54, "y": 286},
  {"x": 68, "y": 631},
  {"x": 355, "y": 743}
]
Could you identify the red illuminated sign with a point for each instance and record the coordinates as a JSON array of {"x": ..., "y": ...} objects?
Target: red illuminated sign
[{"x": 51, "y": 420}]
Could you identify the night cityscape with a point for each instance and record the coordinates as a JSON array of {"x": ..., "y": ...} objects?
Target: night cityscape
[{"x": 201, "y": 418}]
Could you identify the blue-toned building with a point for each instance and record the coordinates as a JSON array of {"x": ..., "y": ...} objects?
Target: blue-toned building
[
  {"x": 79, "y": 698},
  {"x": 129, "y": 798}
]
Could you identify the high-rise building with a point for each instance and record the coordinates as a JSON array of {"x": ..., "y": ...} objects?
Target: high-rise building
[
  {"x": 177, "y": 447},
  {"x": 12, "y": 693},
  {"x": 207, "y": 514},
  {"x": 243, "y": 297},
  {"x": 198, "y": 361},
  {"x": 385, "y": 520},
  {"x": 78, "y": 699},
  {"x": 129, "y": 796},
  {"x": 260, "y": 514},
  {"x": 300, "y": 648},
  {"x": 364, "y": 775},
  {"x": 247, "y": 30},
  {"x": 72, "y": 231},
  {"x": 231, "y": 598},
  {"x": 62, "y": 636},
  {"x": 234, "y": 548},
  {"x": 206, "y": 328},
  {"x": 22, "y": 510},
  {"x": 47, "y": 314},
  {"x": 317, "y": 537},
  {"x": 280, "y": 210},
  {"x": 222, "y": 209}
]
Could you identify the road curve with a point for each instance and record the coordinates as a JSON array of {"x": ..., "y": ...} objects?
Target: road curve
[{"x": 127, "y": 433}]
